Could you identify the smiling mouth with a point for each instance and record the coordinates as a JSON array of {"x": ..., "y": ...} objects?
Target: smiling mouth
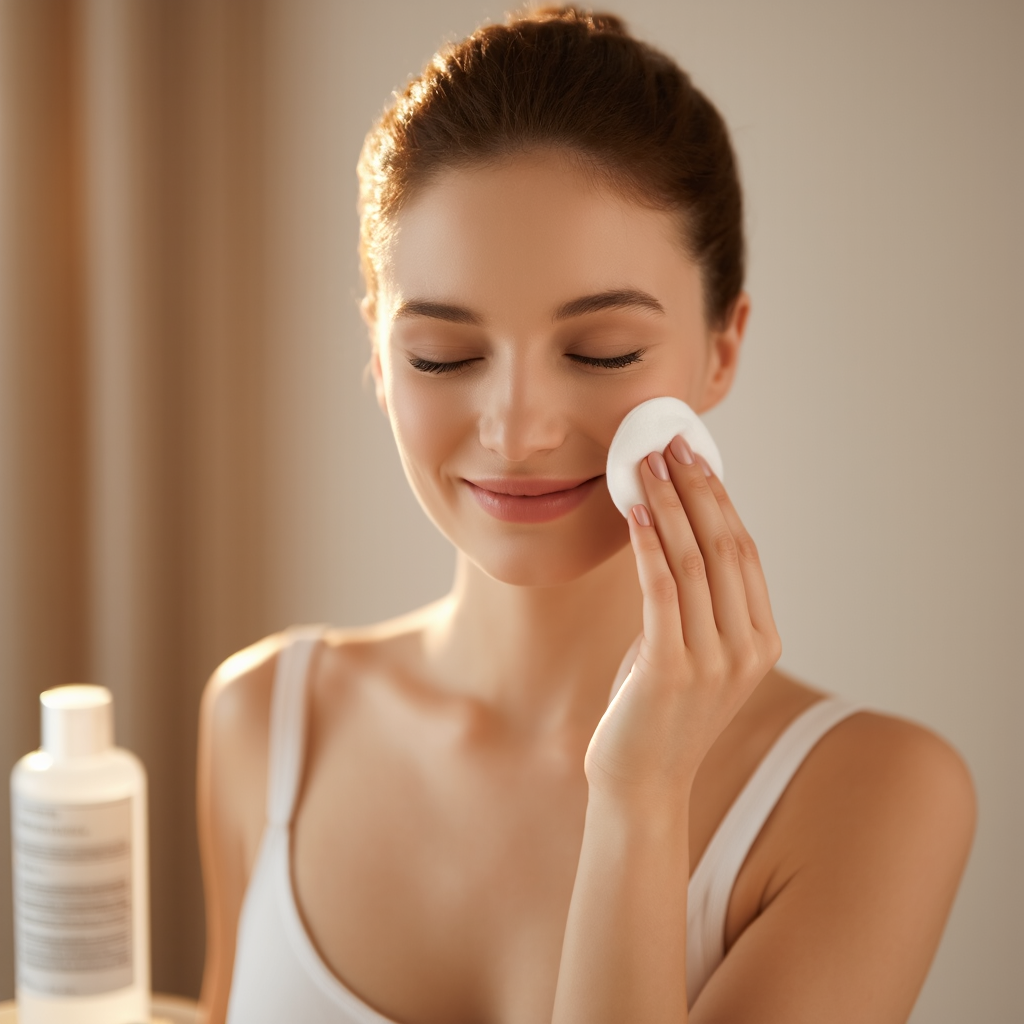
[
  {"x": 528, "y": 487},
  {"x": 531, "y": 500}
]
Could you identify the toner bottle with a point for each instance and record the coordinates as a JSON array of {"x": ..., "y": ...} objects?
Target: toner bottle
[{"x": 81, "y": 879}]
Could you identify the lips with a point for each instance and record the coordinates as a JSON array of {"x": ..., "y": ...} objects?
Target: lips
[{"x": 531, "y": 500}]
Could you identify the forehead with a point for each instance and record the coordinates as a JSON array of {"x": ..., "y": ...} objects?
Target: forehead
[{"x": 524, "y": 234}]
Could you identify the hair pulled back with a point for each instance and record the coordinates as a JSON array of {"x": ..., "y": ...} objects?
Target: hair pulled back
[{"x": 576, "y": 80}]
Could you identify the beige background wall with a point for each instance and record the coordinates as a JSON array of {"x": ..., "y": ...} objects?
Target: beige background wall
[{"x": 871, "y": 440}]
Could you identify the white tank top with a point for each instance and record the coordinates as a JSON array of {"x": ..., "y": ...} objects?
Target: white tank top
[{"x": 278, "y": 973}]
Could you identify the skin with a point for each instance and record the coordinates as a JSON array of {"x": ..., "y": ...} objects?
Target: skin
[{"x": 480, "y": 836}]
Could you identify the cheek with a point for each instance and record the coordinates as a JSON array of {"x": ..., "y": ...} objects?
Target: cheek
[{"x": 429, "y": 422}]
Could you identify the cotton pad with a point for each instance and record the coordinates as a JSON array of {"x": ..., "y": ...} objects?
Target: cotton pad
[{"x": 649, "y": 427}]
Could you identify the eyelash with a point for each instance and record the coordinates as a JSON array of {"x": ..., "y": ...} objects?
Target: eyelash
[{"x": 611, "y": 363}]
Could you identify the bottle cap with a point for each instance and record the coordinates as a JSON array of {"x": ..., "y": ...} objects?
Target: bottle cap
[{"x": 78, "y": 720}]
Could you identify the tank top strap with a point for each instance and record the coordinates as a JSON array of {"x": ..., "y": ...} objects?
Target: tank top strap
[
  {"x": 288, "y": 722},
  {"x": 712, "y": 882}
]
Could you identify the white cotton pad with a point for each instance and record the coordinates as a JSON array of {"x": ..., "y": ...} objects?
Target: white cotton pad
[{"x": 648, "y": 428}]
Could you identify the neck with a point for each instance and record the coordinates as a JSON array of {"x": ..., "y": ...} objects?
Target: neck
[{"x": 541, "y": 657}]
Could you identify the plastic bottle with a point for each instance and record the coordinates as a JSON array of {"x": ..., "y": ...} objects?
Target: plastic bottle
[{"x": 81, "y": 869}]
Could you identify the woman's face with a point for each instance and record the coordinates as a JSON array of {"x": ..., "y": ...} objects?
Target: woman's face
[{"x": 523, "y": 311}]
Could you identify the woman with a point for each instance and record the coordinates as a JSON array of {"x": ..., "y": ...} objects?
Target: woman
[{"x": 443, "y": 818}]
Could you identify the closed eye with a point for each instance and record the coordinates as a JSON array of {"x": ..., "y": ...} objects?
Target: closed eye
[
  {"x": 610, "y": 363},
  {"x": 429, "y": 366},
  {"x": 607, "y": 363}
]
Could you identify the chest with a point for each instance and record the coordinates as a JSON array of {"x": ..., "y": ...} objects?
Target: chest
[{"x": 435, "y": 879}]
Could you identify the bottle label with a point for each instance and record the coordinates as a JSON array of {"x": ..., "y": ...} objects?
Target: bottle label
[{"x": 72, "y": 896}]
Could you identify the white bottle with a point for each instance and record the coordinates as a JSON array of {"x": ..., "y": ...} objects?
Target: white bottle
[{"x": 81, "y": 869}]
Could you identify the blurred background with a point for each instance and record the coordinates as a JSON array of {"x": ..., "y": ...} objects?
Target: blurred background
[{"x": 190, "y": 458}]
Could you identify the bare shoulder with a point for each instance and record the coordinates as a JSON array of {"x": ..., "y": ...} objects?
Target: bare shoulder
[
  {"x": 235, "y": 710},
  {"x": 238, "y": 692},
  {"x": 882, "y": 765},
  {"x": 231, "y": 781},
  {"x": 873, "y": 766},
  {"x": 881, "y": 790},
  {"x": 234, "y": 723},
  {"x": 860, "y": 862}
]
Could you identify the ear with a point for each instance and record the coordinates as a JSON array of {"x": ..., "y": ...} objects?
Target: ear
[
  {"x": 724, "y": 354},
  {"x": 368, "y": 311},
  {"x": 378, "y": 380}
]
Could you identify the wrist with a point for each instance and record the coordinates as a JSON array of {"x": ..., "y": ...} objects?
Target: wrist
[
  {"x": 654, "y": 788},
  {"x": 650, "y": 810}
]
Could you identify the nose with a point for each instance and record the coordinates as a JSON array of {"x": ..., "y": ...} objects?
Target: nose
[{"x": 524, "y": 411}]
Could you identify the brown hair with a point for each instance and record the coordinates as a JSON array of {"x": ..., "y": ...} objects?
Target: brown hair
[{"x": 576, "y": 80}]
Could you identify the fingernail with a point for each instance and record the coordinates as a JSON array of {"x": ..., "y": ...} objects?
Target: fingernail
[
  {"x": 681, "y": 450},
  {"x": 659, "y": 467},
  {"x": 704, "y": 465},
  {"x": 641, "y": 515}
]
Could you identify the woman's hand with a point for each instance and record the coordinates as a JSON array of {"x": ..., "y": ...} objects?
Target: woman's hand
[{"x": 708, "y": 639}]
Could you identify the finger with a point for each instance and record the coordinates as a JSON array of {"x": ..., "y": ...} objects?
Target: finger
[
  {"x": 754, "y": 581},
  {"x": 683, "y": 556},
  {"x": 717, "y": 544},
  {"x": 662, "y": 636}
]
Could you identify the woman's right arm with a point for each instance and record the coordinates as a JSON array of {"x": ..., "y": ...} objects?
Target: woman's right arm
[{"x": 231, "y": 786}]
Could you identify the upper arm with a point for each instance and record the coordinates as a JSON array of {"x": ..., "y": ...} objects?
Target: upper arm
[
  {"x": 233, "y": 735},
  {"x": 881, "y": 819}
]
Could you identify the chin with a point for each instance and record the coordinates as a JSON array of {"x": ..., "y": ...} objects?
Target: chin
[{"x": 553, "y": 558}]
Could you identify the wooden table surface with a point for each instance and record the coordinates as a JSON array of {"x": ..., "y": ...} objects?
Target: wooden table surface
[{"x": 166, "y": 1010}]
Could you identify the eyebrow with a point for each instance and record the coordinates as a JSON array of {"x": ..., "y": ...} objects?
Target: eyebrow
[
  {"x": 621, "y": 298},
  {"x": 437, "y": 311}
]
